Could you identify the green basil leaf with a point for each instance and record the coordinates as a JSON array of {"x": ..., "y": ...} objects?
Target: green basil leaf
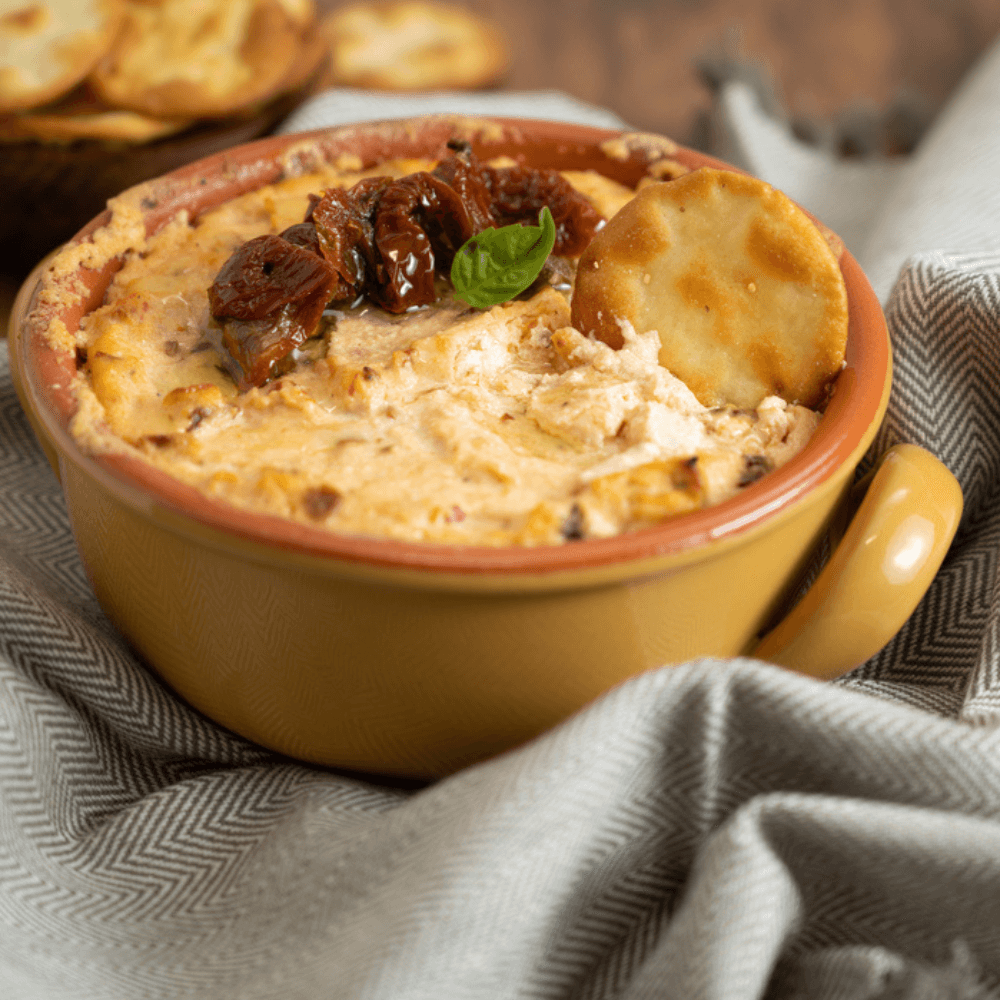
[{"x": 497, "y": 264}]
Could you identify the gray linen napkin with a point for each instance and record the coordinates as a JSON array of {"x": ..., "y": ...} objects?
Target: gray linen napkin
[
  {"x": 945, "y": 196},
  {"x": 344, "y": 106},
  {"x": 720, "y": 830}
]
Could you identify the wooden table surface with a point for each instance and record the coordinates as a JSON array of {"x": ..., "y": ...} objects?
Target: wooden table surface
[{"x": 639, "y": 57}]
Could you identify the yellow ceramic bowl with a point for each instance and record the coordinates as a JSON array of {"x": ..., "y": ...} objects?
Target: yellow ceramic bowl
[{"x": 419, "y": 659}]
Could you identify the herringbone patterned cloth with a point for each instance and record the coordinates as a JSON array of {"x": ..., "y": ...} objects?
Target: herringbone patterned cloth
[{"x": 721, "y": 830}]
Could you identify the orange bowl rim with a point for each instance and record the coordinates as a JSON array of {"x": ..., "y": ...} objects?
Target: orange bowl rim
[{"x": 853, "y": 409}]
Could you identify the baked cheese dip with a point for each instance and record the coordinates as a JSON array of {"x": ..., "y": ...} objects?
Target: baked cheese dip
[{"x": 438, "y": 422}]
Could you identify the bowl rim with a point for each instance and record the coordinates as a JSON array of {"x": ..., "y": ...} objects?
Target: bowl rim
[{"x": 850, "y": 417}]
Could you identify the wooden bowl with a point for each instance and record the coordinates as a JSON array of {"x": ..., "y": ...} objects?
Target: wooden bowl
[{"x": 52, "y": 190}]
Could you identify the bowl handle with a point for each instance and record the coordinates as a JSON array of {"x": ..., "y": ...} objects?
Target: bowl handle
[{"x": 878, "y": 572}]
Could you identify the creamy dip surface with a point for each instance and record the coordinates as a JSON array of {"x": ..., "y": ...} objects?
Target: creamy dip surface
[{"x": 444, "y": 424}]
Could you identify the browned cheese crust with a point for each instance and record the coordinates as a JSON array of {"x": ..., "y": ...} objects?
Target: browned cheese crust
[
  {"x": 744, "y": 290},
  {"x": 444, "y": 424}
]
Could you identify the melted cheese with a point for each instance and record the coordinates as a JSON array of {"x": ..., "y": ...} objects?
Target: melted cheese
[{"x": 444, "y": 424}]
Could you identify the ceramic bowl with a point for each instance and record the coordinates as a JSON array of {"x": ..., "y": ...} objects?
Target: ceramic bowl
[{"x": 418, "y": 659}]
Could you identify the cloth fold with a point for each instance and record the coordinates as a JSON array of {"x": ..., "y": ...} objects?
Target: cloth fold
[
  {"x": 944, "y": 197},
  {"x": 723, "y": 829},
  {"x": 345, "y": 106}
]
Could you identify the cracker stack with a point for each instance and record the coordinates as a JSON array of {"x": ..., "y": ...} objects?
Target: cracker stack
[
  {"x": 138, "y": 70},
  {"x": 176, "y": 80},
  {"x": 132, "y": 71}
]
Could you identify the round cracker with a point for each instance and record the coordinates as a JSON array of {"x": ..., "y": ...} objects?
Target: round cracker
[
  {"x": 414, "y": 45},
  {"x": 745, "y": 292},
  {"x": 308, "y": 67},
  {"x": 72, "y": 123},
  {"x": 203, "y": 58},
  {"x": 48, "y": 46}
]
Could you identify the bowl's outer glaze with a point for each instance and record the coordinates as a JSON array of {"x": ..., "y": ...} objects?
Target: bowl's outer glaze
[{"x": 419, "y": 659}]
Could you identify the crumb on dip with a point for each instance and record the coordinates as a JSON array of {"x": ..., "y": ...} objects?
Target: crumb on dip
[{"x": 444, "y": 423}]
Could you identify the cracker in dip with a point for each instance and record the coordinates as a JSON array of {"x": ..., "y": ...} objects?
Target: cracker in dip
[{"x": 443, "y": 423}]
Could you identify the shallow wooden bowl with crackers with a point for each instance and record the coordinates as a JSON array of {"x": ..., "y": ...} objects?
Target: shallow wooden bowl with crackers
[
  {"x": 98, "y": 95},
  {"x": 419, "y": 659}
]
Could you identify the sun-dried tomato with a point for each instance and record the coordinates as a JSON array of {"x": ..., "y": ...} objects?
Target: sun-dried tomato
[
  {"x": 256, "y": 346},
  {"x": 265, "y": 274},
  {"x": 340, "y": 231},
  {"x": 383, "y": 238},
  {"x": 343, "y": 221},
  {"x": 321, "y": 501},
  {"x": 520, "y": 193},
  {"x": 303, "y": 234},
  {"x": 464, "y": 174},
  {"x": 367, "y": 193},
  {"x": 419, "y": 224}
]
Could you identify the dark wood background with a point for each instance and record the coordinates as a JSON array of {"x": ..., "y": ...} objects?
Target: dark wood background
[{"x": 640, "y": 57}]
